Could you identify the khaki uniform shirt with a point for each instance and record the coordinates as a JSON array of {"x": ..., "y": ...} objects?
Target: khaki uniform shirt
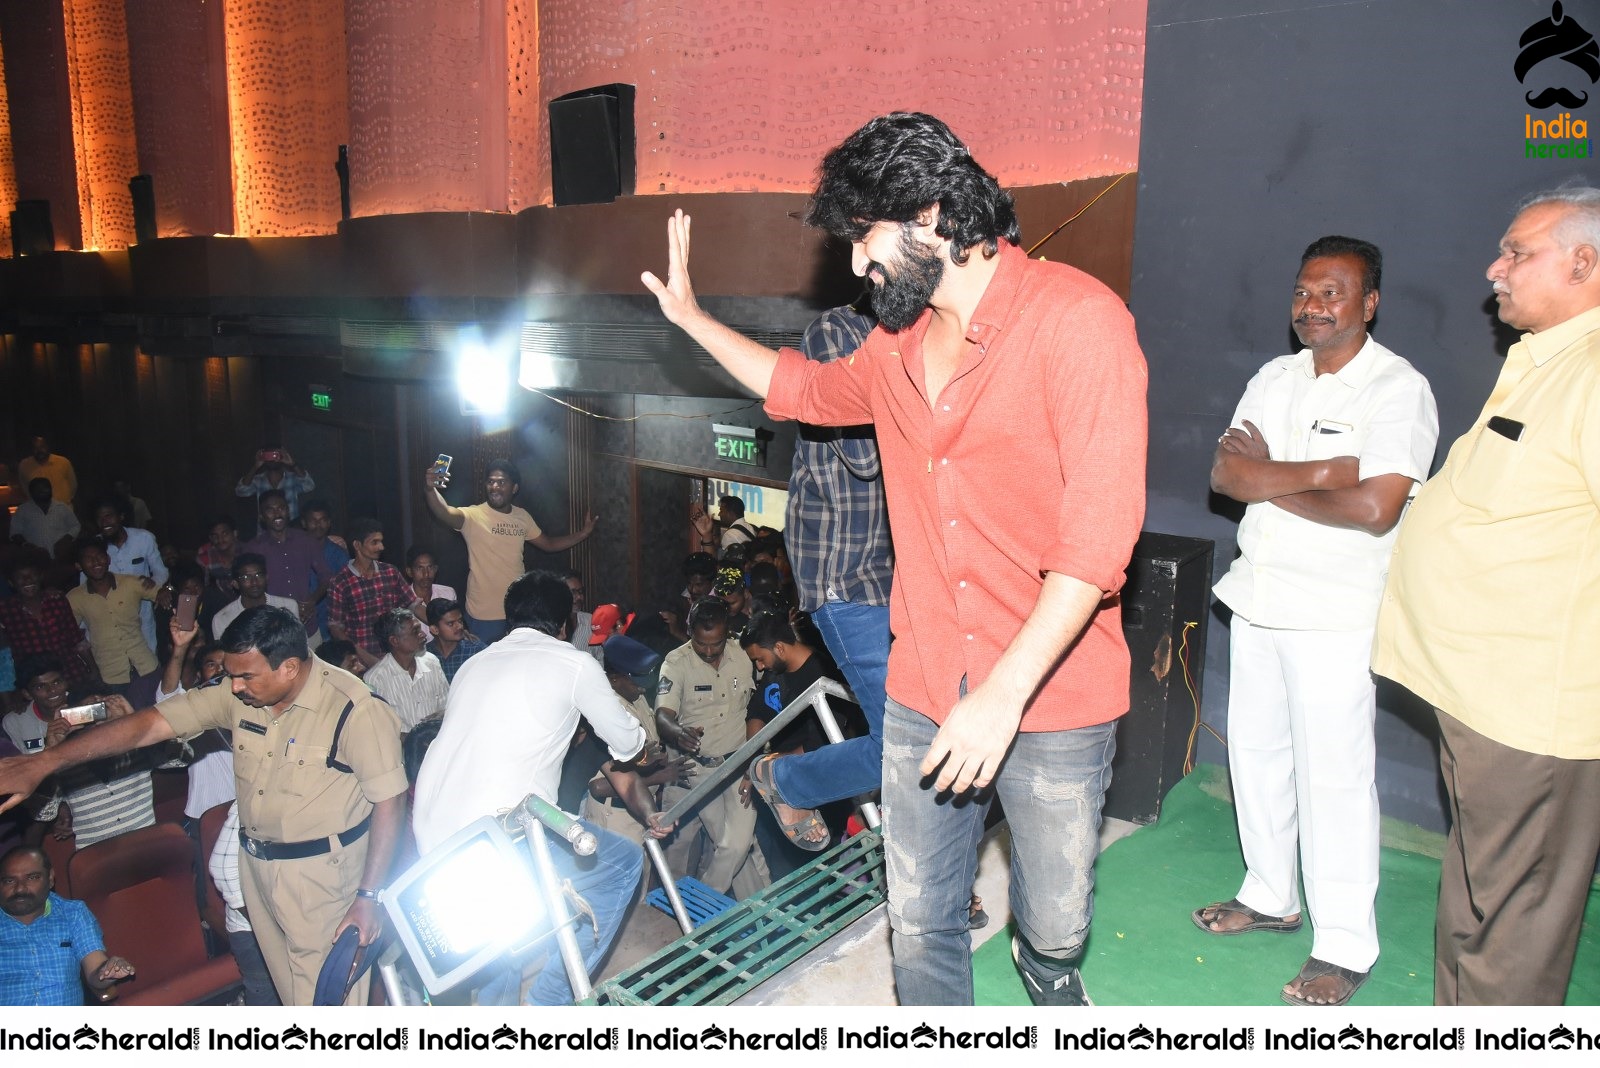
[
  {"x": 287, "y": 791},
  {"x": 1492, "y": 611},
  {"x": 641, "y": 711},
  {"x": 711, "y": 698}
]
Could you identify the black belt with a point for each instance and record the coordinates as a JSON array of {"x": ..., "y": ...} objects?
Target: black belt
[{"x": 314, "y": 847}]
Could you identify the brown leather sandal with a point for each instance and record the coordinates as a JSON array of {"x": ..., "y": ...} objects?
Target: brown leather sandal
[
  {"x": 1258, "y": 921},
  {"x": 1349, "y": 982}
]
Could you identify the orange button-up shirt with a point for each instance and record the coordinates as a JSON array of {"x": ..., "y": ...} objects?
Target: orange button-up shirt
[{"x": 1031, "y": 460}]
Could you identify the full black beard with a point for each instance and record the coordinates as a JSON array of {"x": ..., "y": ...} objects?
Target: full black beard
[{"x": 900, "y": 298}]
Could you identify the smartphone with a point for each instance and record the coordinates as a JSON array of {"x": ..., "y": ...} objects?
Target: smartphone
[
  {"x": 275, "y": 455},
  {"x": 78, "y": 715},
  {"x": 188, "y": 603},
  {"x": 441, "y": 468}
]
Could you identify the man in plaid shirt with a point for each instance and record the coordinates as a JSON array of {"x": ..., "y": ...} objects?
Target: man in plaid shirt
[
  {"x": 837, "y": 536},
  {"x": 38, "y": 621},
  {"x": 365, "y": 590}
]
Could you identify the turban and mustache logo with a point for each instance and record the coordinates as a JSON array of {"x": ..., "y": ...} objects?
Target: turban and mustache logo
[{"x": 1558, "y": 37}]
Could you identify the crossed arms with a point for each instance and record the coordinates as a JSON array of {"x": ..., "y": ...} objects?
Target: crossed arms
[{"x": 1330, "y": 492}]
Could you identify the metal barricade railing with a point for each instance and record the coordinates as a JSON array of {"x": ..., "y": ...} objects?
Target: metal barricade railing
[
  {"x": 742, "y": 947},
  {"x": 712, "y": 781},
  {"x": 734, "y": 952}
]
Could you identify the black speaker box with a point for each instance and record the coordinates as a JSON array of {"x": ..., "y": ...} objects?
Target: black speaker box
[
  {"x": 1168, "y": 587},
  {"x": 142, "y": 188},
  {"x": 592, "y": 145},
  {"x": 32, "y": 232}
]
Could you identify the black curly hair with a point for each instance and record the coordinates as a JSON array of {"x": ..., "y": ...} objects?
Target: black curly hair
[{"x": 895, "y": 168}]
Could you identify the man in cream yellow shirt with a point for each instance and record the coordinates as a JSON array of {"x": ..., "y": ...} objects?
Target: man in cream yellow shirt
[{"x": 1492, "y": 615}]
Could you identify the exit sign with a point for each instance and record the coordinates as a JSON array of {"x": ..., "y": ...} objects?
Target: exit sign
[
  {"x": 321, "y": 398},
  {"x": 739, "y": 445}
]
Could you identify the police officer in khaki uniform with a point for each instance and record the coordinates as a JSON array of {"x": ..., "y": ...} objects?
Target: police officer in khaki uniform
[
  {"x": 320, "y": 782},
  {"x": 700, "y": 706},
  {"x": 625, "y": 661}
]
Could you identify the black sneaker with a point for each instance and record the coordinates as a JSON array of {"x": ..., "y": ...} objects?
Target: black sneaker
[{"x": 1067, "y": 991}]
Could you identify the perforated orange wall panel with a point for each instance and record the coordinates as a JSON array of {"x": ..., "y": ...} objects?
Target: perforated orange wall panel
[
  {"x": 8, "y": 173},
  {"x": 288, "y": 114},
  {"x": 427, "y": 105},
  {"x": 102, "y": 120},
  {"x": 748, "y": 94}
]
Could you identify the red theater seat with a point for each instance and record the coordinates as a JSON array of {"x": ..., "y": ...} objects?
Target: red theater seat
[
  {"x": 169, "y": 789},
  {"x": 60, "y": 853},
  {"x": 140, "y": 886}
]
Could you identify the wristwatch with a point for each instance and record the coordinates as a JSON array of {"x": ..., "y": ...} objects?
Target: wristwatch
[{"x": 370, "y": 895}]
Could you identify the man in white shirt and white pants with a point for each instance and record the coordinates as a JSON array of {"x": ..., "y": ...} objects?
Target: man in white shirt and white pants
[{"x": 1326, "y": 448}]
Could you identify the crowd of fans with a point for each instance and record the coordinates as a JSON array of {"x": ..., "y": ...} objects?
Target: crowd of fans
[{"x": 99, "y": 614}]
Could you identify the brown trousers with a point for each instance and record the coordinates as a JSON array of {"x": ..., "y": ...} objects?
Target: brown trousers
[{"x": 1524, "y": 833}]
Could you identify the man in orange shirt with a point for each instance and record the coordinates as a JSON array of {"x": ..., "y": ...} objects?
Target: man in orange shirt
[{"x": 990, "y": 377}]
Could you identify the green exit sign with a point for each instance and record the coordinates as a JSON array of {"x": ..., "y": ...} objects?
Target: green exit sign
[
  {"x": 739, "y": 445},
  {"x": 322, "y": 398}
]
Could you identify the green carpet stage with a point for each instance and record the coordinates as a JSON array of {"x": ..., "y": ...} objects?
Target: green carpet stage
[{"x": 1145, "y": 950}]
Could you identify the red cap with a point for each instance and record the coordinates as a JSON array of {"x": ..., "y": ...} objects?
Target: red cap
[{"x": 606, "y": 621}]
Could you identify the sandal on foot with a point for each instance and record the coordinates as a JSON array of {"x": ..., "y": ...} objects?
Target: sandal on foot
[
  {"x": 1349, "y": 982},
  {"x": 761, "y": 778},
  {"x": 1258, "y": 921}
]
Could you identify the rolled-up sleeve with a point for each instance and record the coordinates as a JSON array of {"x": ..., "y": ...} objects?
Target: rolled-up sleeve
[
  {"x": 1097, "y": 396},
  {"x": 191, "y": 711},
  {"x": 599, "y": 704},
  {"x": 822, "y": 394},
  {"x": 370, "y": 744}
]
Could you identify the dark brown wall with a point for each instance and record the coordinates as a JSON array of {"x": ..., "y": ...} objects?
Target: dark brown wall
[
  {"x": 754, "y": 244},
  {"x": 180, "y": 429}
]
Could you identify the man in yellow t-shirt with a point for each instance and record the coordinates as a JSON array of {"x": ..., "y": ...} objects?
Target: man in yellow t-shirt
[{"x": 495, "y": 531}]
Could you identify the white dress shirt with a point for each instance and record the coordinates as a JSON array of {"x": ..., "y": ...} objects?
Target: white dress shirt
[
  {"x": 513, "y": 709},
  {"x": 235, "y": 608},
  {"x": 1297, "y": 574}
]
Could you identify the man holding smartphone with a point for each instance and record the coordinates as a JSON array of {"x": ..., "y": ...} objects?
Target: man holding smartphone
[
  {"x": 94, "y": 801},
  {"x": 321, "y": 787},
  {"x": 495, "y": 532},
  {"x": 275, "y": 469}
]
